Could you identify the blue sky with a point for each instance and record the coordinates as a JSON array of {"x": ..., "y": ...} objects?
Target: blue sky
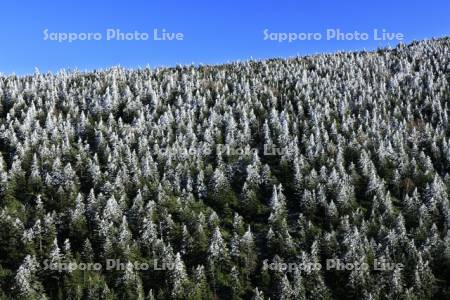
[{"x": 214, "y": 31}]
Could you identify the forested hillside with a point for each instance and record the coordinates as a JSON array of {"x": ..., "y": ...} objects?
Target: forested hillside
[{"x": 205, "y": 182}]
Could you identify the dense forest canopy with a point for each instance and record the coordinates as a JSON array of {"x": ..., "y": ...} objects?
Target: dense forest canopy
[{"x": 218, "y": 177}]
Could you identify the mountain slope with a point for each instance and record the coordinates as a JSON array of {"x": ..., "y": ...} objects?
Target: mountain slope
[{"x": 229, "y": 182}]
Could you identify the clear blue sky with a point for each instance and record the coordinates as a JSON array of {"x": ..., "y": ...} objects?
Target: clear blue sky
[{"x": 214, "y": 31}]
